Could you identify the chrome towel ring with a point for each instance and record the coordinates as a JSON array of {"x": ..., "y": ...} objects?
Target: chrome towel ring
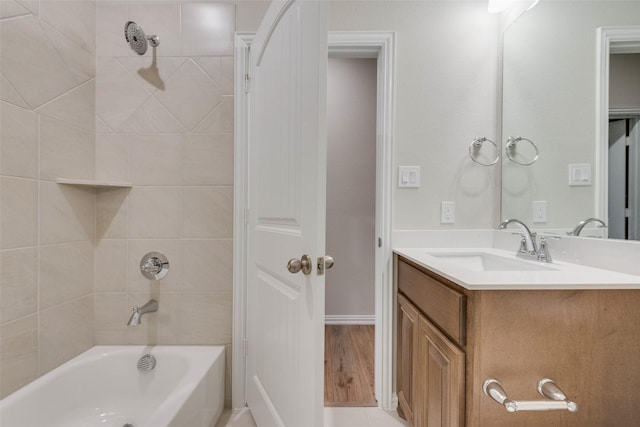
[
  {"x": 511, "y": 148},
  {"x": 476, "y": 145}
]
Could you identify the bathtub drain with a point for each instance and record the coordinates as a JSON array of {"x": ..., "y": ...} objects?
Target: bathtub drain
[
  {"x": 146, "y": 364},
  {"x": 128, "y": 425}
]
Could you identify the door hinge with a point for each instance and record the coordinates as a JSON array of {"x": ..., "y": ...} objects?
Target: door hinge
[
  {"x": 379, "y": 242},
  {"x": 247, "y": 214},
  {"x": 627, "y": 213},
  {"x": 245, "y": 349},
  {"x": 247, "y": 83}
]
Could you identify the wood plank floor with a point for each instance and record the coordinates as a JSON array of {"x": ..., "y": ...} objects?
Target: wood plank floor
[{"x": 349, "y": 365}]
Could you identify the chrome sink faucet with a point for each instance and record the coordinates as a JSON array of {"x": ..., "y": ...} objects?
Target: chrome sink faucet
[
  {"x": 528, "y": 246},
  {"x": 576, "y": 231},
  {"x": 136, "y": 315}
]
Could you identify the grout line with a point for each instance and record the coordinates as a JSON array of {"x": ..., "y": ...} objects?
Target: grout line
[
  {"x": 45, "y": 22},
  {"x": 206, "y": 116},
  {"x": 71, "y": 125},
  {"x": 29, "y": 107},
  {"x": 73, "y": 300},
  {"x": 21, "y": 16},
  {"x": 65, "y": 93},
  {"x": 104, "y": 123},
  {"x": 38, "y": 259}
]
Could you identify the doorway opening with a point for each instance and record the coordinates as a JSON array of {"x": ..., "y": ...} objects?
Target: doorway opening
[
  {"x": 351, "y": 232},
  {"x": 624, "y": 170}
]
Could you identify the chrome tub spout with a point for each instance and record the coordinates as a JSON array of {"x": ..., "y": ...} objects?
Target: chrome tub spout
[{"x": 136, "y": 315}]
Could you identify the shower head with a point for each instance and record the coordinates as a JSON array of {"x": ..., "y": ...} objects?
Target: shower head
[{"x": 137, "y": 39}]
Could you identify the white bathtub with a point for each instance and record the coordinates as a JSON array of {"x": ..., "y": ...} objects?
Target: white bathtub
[{"x": 102, "y": 387}]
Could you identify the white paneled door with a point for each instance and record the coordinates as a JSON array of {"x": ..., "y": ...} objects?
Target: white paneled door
[{"x": 287, "y": 179}]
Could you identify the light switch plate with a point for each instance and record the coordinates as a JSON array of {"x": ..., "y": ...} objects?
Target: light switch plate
[
  {"x": 409, "y": 176},
  {"x": 579, "y": 174}
]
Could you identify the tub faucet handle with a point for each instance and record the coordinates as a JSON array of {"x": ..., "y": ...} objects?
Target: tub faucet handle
[{"x": 154, "y": 266}]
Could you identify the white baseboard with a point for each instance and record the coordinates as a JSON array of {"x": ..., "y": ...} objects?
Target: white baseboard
[{"x": 350, "y": 319}]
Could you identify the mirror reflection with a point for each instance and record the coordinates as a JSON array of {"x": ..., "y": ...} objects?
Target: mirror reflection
[{"x": 550, "y": 97}]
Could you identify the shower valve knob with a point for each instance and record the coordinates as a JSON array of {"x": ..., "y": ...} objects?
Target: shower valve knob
[{"x": 154, "y": 266}]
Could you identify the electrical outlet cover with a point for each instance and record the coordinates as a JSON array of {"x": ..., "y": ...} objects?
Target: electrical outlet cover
[
  {"x": 540, "y": 211},
  {"x": 447, "y": 212}
]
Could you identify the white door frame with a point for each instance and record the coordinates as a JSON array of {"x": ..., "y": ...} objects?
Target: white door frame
[
  {"x": 345, "y": 44},
  {"x": 610, "y": 40}
]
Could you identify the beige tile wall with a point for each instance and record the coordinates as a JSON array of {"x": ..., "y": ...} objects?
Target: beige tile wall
[
  {"x": 47, "y": 231},
  {"x": 80, "y": 106},
  {"x": 164, "y": 122}
]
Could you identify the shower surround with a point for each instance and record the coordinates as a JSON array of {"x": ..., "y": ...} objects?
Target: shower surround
[{"x": 78, "y": 103}]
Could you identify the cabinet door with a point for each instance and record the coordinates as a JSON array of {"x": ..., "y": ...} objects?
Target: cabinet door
[
  {"x": 407, "y": 334},
  {"x": 439, "y": 368}
]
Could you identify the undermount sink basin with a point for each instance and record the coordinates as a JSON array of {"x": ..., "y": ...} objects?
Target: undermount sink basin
[{"x": 482, "y": 261}]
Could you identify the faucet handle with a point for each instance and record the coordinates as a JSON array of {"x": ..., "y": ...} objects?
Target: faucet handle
[
  {"x": 543, "y": 253},
  {"x": 523, "y": 245}
]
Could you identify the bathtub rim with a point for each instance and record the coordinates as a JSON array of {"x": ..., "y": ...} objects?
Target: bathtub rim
[{"x": 195, "y": 353}]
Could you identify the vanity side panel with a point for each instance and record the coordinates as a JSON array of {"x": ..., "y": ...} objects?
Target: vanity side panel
[{"x": 473, "y": 359}]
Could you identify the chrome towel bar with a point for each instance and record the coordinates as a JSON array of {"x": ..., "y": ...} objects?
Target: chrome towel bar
[{"x": 546, "y": 387}]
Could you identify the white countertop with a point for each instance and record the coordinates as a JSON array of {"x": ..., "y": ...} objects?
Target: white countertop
[{"x": 553, "y": 276}]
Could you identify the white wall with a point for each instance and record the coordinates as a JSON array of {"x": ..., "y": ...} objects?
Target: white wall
[
  {"x": 351, "y": 179},
  {"x": 445, "y": 95}
]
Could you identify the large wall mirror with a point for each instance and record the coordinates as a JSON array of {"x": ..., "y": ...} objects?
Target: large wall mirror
[{"x": 550, "y": 100}]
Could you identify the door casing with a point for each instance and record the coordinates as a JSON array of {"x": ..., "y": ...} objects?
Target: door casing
[{"x": 378, "y": 45}]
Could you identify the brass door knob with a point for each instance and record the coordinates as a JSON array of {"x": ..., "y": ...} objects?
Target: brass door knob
[{"x": 296, "y": 265}]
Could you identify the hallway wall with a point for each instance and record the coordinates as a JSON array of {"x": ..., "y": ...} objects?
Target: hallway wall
[
  {"x": 351, "y": 188},
  {"x": 624, "y": 75}
]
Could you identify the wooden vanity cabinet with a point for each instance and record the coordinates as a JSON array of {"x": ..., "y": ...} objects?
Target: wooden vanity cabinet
[{"x": 451, "y": 339}]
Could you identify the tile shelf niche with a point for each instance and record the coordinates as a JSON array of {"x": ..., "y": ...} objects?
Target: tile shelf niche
[{"x": 93, "y": 183}]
